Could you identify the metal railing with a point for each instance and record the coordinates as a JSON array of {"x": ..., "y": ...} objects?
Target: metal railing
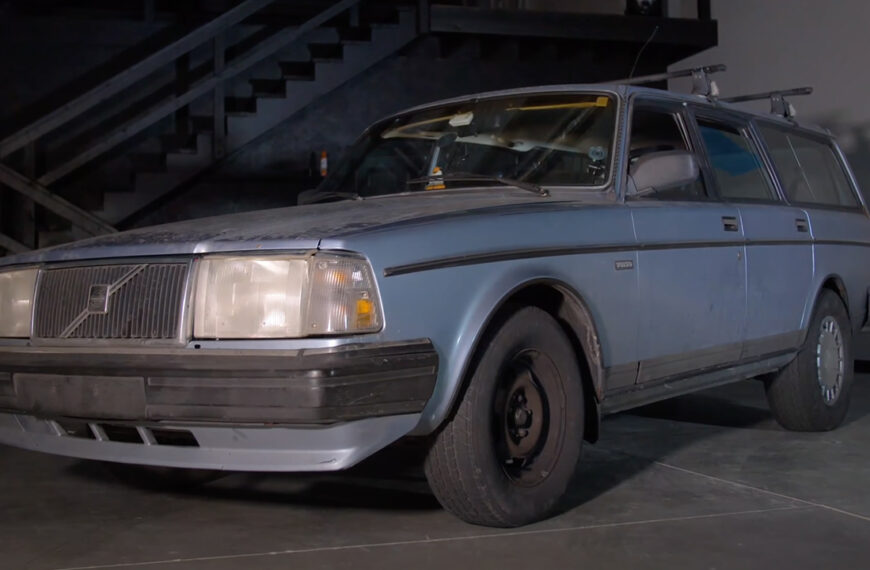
[{"x": 214, "y": 32}]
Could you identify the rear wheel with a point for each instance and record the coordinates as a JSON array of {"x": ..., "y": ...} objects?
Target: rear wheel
[
  {"x": 812, "y": 393},
  {"x": 510, "y": 453}
]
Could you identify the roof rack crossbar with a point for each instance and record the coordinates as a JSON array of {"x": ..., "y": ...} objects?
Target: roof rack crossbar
[
  {"x": 701, "y": 83},
  {"x": 778, "y": 103}
]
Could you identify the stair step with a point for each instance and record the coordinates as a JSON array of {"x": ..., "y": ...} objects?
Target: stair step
[
  {"x": 297, "y": 70},
  {"x": 269, "y": 87},
  {"x": 325, "y": 52},
  {"x": 330, "y": 75},
  {"x": 202, "y": 123},
  {"x": 241, "y": 105},
  {"x": 148, "y": 161},
  {"x": 358, "y": 34},
  {"x": 180, "y": 143}
]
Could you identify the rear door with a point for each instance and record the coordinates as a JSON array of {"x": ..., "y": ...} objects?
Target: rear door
[
  {"x": 779, "y": 254},
  {"x": 691, "y": 272}
]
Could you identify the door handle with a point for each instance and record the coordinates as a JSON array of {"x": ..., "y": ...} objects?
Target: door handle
[
  {"x": 729, "y": 223},
  {"x": 802, "y": 225}
]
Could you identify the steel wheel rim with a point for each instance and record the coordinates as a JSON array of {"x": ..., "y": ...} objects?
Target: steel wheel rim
[
  {"x": 830, "y": 360},
  {"x": 529, "y": 425}
]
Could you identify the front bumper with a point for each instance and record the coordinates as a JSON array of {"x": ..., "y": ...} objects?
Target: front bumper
[
  {"x": 245, "y": 410},
  {"x": 308, "y": 386},
  {"x": 200, "y": 446}
]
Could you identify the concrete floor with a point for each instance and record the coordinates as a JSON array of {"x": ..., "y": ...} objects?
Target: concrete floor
[{"x": 704, "y": 481}]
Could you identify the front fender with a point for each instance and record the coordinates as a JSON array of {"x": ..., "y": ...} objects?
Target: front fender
[{"x": 460, "y": 320}]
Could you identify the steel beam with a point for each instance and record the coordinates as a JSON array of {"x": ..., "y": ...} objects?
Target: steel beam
[
  {"x": 11, "y": 245},
  {"x": 47, "y": 199},
  {"x": 129, "y": 76}
]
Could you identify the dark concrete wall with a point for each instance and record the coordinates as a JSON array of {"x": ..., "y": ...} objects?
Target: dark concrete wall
[{"x": 45, "y": 60}]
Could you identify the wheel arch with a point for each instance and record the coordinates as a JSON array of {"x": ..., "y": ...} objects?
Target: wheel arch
[
  {"x": 834, "y": 283},
  {"x": 570, "y": 310}
]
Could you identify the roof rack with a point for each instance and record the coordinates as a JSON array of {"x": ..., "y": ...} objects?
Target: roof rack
[
  {"x": 701, "y": 82},
  {"x": 778, "y": 104}
]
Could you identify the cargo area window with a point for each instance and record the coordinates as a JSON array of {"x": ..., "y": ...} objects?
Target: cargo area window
[
  {"x": 808, "y": 169},
  {"x": 737, "y": 168}
]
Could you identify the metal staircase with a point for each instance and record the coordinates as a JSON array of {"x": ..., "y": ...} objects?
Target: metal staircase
[{"x": 177, "y": 113}]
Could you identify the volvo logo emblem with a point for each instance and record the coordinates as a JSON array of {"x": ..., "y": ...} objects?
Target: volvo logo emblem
[{"x": 98, "y": 299}]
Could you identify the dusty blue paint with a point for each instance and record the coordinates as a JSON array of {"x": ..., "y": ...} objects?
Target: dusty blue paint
[{"x": 696, "y": 295}]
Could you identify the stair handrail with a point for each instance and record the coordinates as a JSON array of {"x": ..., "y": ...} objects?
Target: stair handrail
[
  {"x": 130, "y": 76},
  {"x": 37, "y": 190},
  {"x": 230, "y": 69}
]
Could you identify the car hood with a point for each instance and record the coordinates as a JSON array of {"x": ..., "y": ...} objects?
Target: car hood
[{"x": 298, "y": 228}]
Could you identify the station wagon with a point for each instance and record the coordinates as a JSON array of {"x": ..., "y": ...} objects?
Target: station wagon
[{"x": 490, "y": 275}]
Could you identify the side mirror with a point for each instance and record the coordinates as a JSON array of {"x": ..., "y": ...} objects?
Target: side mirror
[{"x": 661, "y": 170}]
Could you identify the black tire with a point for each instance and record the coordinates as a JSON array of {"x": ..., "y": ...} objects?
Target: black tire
[
  {"x": 510, "y": 453},
  {"x": 812, "y": 393},
  {"x": 161, "y": 478}
]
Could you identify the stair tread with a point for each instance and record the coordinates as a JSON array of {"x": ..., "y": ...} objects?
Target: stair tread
[
  {"x": 240, "y": 105},
  {"x": 326, "y": 51},
  {"x": 269, "y": 87},
  {"x": 355, "y": 35},
  {"x": 202, "y": 123},
  {"x": 298, "y": 70}
]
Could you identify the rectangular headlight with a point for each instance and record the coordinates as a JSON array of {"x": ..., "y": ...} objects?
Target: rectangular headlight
[
  {"x": 16, "y": 302},
  {"x": 284, "y": 297}
]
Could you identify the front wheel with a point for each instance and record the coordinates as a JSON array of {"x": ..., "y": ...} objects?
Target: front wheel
[
  {"x": 510, "y": 453},
  {"x": 812, "y": 393}
]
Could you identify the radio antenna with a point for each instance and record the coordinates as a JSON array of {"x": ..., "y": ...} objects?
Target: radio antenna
[{"x": 642, "y": 49}]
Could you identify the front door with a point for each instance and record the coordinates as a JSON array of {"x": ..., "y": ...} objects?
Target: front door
[{"x": 691, "y": 263}]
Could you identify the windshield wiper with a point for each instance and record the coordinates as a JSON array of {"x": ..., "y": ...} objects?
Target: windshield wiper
[
  {"x": 315, "y": 196},
  {"x": 471, "y": 177}
]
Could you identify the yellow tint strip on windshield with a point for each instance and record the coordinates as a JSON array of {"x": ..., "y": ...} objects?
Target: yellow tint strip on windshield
[{"x": 600, "y": 102}]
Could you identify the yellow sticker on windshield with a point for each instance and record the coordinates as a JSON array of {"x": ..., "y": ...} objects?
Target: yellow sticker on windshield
[{"x": 599, "y": 102}]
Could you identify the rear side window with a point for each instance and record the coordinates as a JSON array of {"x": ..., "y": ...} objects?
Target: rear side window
[
  {"x": 737, "y": 168},
  {"x": 808, "y": 169}
]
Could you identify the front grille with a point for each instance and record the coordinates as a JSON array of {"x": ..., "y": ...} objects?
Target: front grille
[{"x": 131, "y": 301}]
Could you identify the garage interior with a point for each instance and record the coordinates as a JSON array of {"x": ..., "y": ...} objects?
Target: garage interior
[{"x": 123, "y": 114}]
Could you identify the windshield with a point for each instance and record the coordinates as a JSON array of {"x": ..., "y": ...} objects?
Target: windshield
[{"x": 545, "y": 140}]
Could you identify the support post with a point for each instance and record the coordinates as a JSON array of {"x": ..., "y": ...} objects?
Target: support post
[
  {"x": 148, "y": 11},
  {"x": 423, "y": 16},
  {"x": 25, "y": 227},
  {"x": 182, "y": 84},
  {"x": 219, "y": 146},
  {"x": 704, "y": 10}
]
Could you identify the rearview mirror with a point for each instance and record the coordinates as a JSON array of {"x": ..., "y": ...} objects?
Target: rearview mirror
[{"x": 661, "y": 170}]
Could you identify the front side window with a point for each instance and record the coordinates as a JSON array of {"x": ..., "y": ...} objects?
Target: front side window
[
  {"x": 737, "y": 168},
  {"x": 547, "y": 140},
  {"x": 653, "y": 130},
  {"x": 808, "y": 169}
]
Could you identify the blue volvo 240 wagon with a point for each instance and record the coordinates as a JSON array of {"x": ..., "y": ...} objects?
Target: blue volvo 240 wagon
[{"x": 492, "y": 274}]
